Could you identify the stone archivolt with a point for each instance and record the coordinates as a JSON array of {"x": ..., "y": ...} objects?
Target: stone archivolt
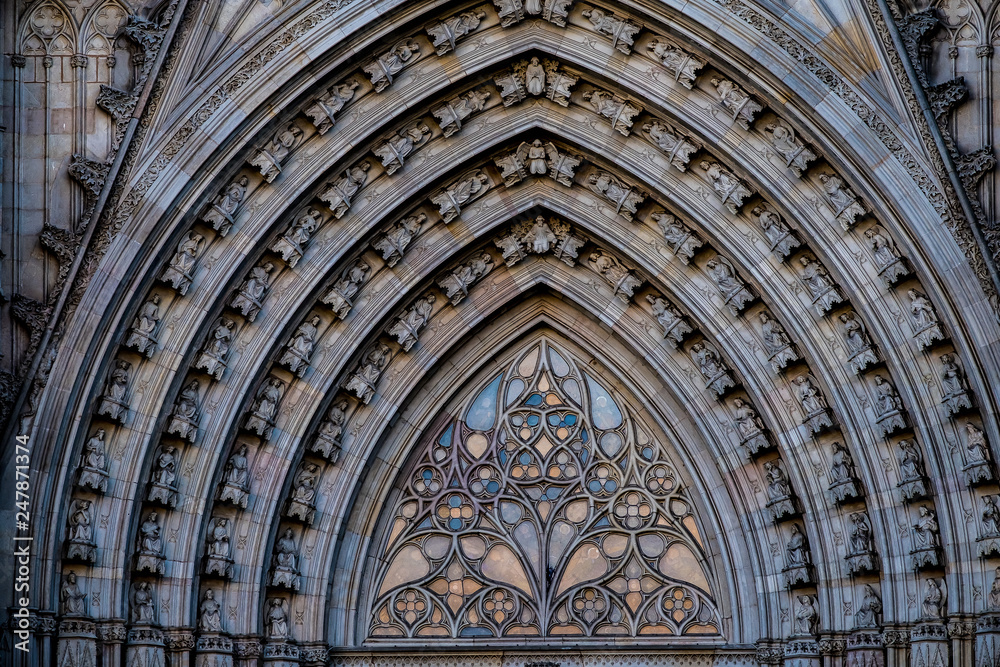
[{"x": 379, "y": 368}]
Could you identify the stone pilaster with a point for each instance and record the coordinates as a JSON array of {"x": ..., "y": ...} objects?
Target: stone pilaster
[
  {"x": 281, "y": 654},
  {"x": 145, "y": 647},
  {"x": 865, "y": 649},
  {"x": 111, "y": 634},
  {"x": 802, "y": 652},
  {"x": 77, "y": 643},
  {"x": 962, "y": 633},
  {"x": 179, "y": 642},
  {"x": 929, "y": 644},
  {"x": 247, "y": 651},
  {"x": 214, "y": 650}
]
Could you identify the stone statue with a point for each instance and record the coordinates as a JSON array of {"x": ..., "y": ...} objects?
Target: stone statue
[
  {"x": 212, "y": 358},
  {"x": 933, "y": 603},
  {"x": 887, "y": 406},
  {"x": 396, "y": 239},
  {"x": 265, "y": 407},
  {"x": 796, "y": 154},
  {"x": 459, "y": 281},
  {"x": 150, "y": 541},
  {"x": 93, "y": 464},
  {"x": 406, "y": 328},
  {"x": 817, "y": 414},
  {"x": 776, "y": 342},
  {"x": 861, "y": 534},
  {"x": 538, "y": 159},
  {"x": 300, "y": 347},
  {"x": 276, "y": 619},
  {"x": 615, "y": 274},
  {"x": 797, "y": 549},
  {"x": 142, "y": 604},
  {"x": 994, "y": 598},
  {"x": 955, "y": 391},
  {"x": 846, "y": 205},
  {"x": 675, "y": 328},
  {"x": 841, "y": 464},
  {"x": 80, "y": 543},
  {"x": 977, "y": 450},
  {"x": 621, "y": 31},
  {"x": 447, "y": 32},
  {"x": 220, "y": 214},
  {"x": 142, "y": 335},
  {"x": 817, "y": 280},
  {"x": 184, "y": 419},
  {"x": 179, "y": 271},
  {"x": 859, "y": 345},
  {"x": 394, "y": 151},
  {"x": 302, "y": 503},
  {"x": 683, "y": 65},
  {"x": 338, "y": 195},
  {"x": 362, "y": 383},
  {"x": 286, "y": 571},
  {"x": 806, "y": 616},
  {"x": 383, "y": 70},
  {"x": 926, "y": 530},
  {"x": 72, "y": 601},
  {"x": 748, "y": 424},
  {"x": 451, "y": 200},
  {"x": 235, "y": 480},
  {"x": 209, "y": 613},
  {"x": 625, "y": 198},
  {"x": 218, "y": 558},
  {"x": 249, "y": 299},
  {"x": 781, "y": 239},
  {"x": 911, "y": 466},
  {"x": 534, "y": 77},
  {"x": 677, "y": 147},
  {"x": 455, "y": 112},
  {"x": 292, "y": 244},
  {"x": 869, "y": 614},
  {"x": 164, "y": 475},
  {"x": 991, "y": 516},
  {"x": 777, "y": 481},
  {"x": 730, "y": 189},
  {"x": 740, "y": 105},
  {"x": 620, "y": 112},
  {"x": 323, "y": 110},
  {"x": 713, "y": 369},
  {"x": 924, "y": 318},
  {"x": 682, "y": 241},
  {"x": 340, "y": 298},
  {"x": 732, "y": 289},
  {"x": 327, "y": 443},
  {"x": 113, "y": 402},
  {"x": 269, "y": 158},
  {"x": 890, "y": 265}
]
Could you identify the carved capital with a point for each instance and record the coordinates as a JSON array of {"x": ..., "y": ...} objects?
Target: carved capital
[
  {"x": 17, "y": 60},
  {"x": 78, "y": 61},
  {"x": 111, "y": 632}
]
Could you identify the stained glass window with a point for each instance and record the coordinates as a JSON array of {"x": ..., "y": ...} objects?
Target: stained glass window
[{"x": 546, "y": 509}]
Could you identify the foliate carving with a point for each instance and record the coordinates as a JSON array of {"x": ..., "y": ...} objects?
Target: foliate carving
[
  {"x": 781, "y": 239},
  {"x": 514, "y": 11},
  {"x": 163, "y": 479},
  {"x": 926, "y": 327},
  {"x": 119, "y": 105},
  {"x": 718, "y": 376},
  {"x": 859, "y": 345},
  {"x": 683, "y": 243},
  {"x": 300, "y": 348},
  {"x": 406, "y": 328},
  {"x": 869, "y": 613},
  {"x": 750, "y": 427},
  {"x": 235, "y": 488},
  {"x": 302, "y": 503},
  {"x": 731, "y": 287},
  {"x": 621, "y": 31},
  {"x": 457, "y": 282},
  {"x": 212, "y": 358},
  {"x": 62, "y": 243},
  {"x": 269, "y": 158},
  {"x": 538, "y": 159},
  {"x": 285, "y": 571},
  {"x": 338, "y": 195},
  {"x": 328, "y": 439},
  {"x": 741, "y": 106},
  {"x": 218, "y": 551},
  {"x": 383, "y": 70},
  {"x": 209, "y": 613},
  {"x": 149, "y": 553},
  {"x": 143, "y": 604},
  {"x": 794, "y": 151},
  {"x": 844, "y": 483},
  {"x": 247, "y": 650},
  {"x": 142, "y": 335},
  {"x": 861, "y": 557},
  {"x": 184, "y": 418},
  {"x": 620, "y": 112},
  {"x": 469, "y": 187},
  {"x": 675, "y": 325},
  {"x": 616, "y": 274},
  {"x": 264, "y": 409},
  {"x": 847, "y": 206},
  {"x": 90, "y": 174},
  {"x": 798, "y": 570},
  {"x": 806, "y": 617},
  {"x": 114, "y": 400},
  {"x": 393, "y": 243},
  {"x": 323, "y": 110},
  {"x": 249, "y": 298},
  {"x": 341, "y": 296},
  {"x": 926, "y": 552},
  {"x": 678, "y": 148},
  {"x": 891, "y": 267},
  {"x": 180, "y": 270},
  {"x": 535, "y": 78},
  {"x": 179, "y": 640},
  {"x": 445, "y": 33},
  {"x": 825, "y": 295},
  {"x": 730, "y": 189},
  {"x": 626, "y": 198},
  {"x": 972, "y": 166},
  {"x": 780, "y": 499},
  {"x": 32, "y": 314},
  {"x": 814, "y": 408},
  {"x": 946, "y": 96},
  {"x": 93, "y": 464},
  {"x": 148, "y": 35},
  {"x": 955, "y": 394},
  {"x": 396, "y": 148},
  {"x": 292, "y": 244},
  {"x": 541, "y": 237},
  {"x": 72, "y": 601},
  {"x": 80, "y": 545},
  {"x": 913, "y": 483},
  {"x": 680, "y": 63},
  {"x": 363, "y": 381},
  {"x": 219, "y": 214},
  {"x": 453, "y": 113},
  {"x": 780, "y": 350},
  {"x": 978, "y": 462}
]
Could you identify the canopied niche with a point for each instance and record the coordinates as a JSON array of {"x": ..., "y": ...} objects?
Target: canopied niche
[{"x": 544, "y": 508}]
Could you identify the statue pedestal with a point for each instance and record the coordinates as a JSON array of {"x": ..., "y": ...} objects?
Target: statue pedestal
[
  {"x": 214, "y": 650},
  {"x": 77, "y": 643},
  {"x": 929, "y": 644},
  {"x": 281, "y": 654},
  {"x": 802, "y": 651},
  {"x": 865, "y": 647},
  {"x": 145, "y": 647},
  {"x": 988, "y": 639}
]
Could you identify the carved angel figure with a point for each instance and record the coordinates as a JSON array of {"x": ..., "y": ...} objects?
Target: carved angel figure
[
  {"x": 300, "y": 347},
  {"x": 534, "y": 77},
  {"x": 796, "y": 154},
  {"x": 806, "y": 616},
  {"x": 93, "y": 462},
  {"x": 677, "y": 147},
  {"x": 682, "y": 241},
  {"x": 249, "y": 299},
  {"x": 625, "y": 198},
  {"x": 212, "y": 358},
  {"x": 338, "y": 195},
  {"x": 683, "y": 65},
  {"x": 340, "y": 298},
  {"x": 450, "y": 200},
  {"x": 731, "y": 190},
  {"x": 854, "y": 332},
  {"x": 994, "y": 598},
  {"x": 394, "y": 151},
  {"x": 447, "y": 32},
  {"x": 394, "y": 242},
  {"x": 265, "y": 407},
  {"x": 220, "y": 214},
  {"x": 179, "y": 271},
  {"x": 291, "y": 245},
  {"x": 621, "y": 31},
  {"x": 406, "y": 329},
  {"x": 209, "y": 613},
  {"x": 323, "y": 110},
  {"x": 141, "y": 337},
  {"x": 620, "y": 112},
  {"x": 817, "y": 280},
  {"x": 366, "y": 376},
  {"x": 615, "y": 273},
  {"x": 742, "y": 107},
  {"x": 457, "y": 283},
  {"x": 383, "y": 70},
  {"x": 453, "y": 113},
  {"x": 72, "y": 600}
]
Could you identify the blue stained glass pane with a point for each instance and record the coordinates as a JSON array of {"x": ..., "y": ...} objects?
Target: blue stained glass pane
[
  {"x": 603, "y": 522},
  {"x": 455, "y": 524},
  {"x": 492, "y": 487},
  {"x": 483, "y": 411},
  {"x": 503, "y": 457},
  {"x": 594, "y": 486},
  {"x": 514, "y": 390},
  {"x": 611, "y": 485},
  {"x": 603, "y": 408},
  {"x": 569, "y": 420},
  {"x": 475, "y": 632},
  {"x": 554, "y": 420},
  {"x": 559, "y": 365},
  {"x": 584, "y": 456},
  {"x": 426, "y": 523},
  {"x": 532, "y": 420},
  {"x": 584, "y": 436},
  {"x": 572, "y": 389},
  {"x": 525, "y": 458},
  {"x": 454, "y": 501},
  {"x": 647, "y": 453},
  {"x": 445, "y": 439},
  {"x": 534, "y": 399}
]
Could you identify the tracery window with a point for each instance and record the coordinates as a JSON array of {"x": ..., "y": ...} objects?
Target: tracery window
[{"x": 545, "y": 509}]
